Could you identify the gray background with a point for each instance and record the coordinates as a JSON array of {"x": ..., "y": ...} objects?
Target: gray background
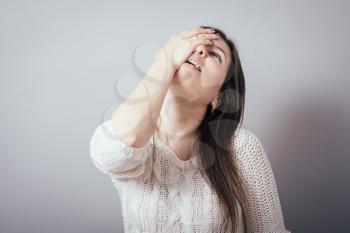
[{"x": 59, "y": 64}]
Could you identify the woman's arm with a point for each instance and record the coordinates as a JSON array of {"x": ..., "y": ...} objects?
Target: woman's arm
[
  {"x": 121, "y": 146},
  {"x": 134, "y": 123},
  {"x": 264, "y": 208}
]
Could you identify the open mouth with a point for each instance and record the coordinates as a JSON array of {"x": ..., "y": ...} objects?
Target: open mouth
[{"x": 196, "y": 67}]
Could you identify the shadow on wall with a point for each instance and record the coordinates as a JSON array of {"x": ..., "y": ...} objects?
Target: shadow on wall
[{"x": 311, "y": 143}]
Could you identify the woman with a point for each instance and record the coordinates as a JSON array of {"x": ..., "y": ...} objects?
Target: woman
[{"x": 181, "y": 161}]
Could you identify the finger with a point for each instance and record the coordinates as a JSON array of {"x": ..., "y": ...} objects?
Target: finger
[
  {"x": 194, "y": 31},
  {"x": 205, "y": 36},
  {"x": 202, "y": 41}
]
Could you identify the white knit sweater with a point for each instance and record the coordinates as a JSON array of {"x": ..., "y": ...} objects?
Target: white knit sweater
[{"x": 166, "y": 194}]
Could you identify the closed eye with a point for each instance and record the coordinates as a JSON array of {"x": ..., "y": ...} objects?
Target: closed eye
[{"x": 216, "y": 55}]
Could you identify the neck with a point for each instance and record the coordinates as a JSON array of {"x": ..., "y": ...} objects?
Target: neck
[{"x": 179, "y": 124}]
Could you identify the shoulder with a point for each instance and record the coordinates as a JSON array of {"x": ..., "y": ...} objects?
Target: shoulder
[
  {"x": 244, "y": 137},
  {"x": 247, "y": 146}
]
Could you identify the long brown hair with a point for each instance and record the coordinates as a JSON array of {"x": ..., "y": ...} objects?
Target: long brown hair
[{"x": 216, "y": 132}]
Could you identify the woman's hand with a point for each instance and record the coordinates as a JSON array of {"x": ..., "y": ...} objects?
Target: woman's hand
[{"x": 180, "y": 46}]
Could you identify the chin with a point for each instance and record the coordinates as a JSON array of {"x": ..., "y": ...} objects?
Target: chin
[{"x": 186, "y": 74}]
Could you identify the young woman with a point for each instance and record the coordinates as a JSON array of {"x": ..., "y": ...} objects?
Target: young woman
[{"x": 181, "y": 160}]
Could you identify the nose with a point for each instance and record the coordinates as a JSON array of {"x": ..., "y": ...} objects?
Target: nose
[{"x": 202, "y": 50}]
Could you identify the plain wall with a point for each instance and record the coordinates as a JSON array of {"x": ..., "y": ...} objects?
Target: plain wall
[{"x": 60, "y": 63}]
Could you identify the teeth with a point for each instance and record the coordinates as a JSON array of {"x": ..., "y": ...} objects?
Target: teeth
[{"x": 195, "y": 64}]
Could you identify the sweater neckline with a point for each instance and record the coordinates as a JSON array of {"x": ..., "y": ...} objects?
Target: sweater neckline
[{"x": 173, "y": 157}]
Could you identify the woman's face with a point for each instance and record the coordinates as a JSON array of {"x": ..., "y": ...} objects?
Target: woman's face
[{"x": 203, "y": 85}]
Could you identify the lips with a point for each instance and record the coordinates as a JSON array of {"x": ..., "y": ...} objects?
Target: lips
[
  {"x": 194, "y": 66},
  {"x": 191, "y": 66}
]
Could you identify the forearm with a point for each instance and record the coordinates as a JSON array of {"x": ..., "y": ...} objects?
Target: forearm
[{"x": 135, "y": 123}]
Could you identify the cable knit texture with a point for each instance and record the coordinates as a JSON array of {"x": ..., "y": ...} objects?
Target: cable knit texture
[{"x": 162, "y": 193}]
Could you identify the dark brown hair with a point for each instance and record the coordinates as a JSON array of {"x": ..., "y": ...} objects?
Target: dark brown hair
[{"x": 217, "y": 130}]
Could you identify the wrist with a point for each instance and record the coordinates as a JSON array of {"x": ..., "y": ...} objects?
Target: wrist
[{"x": 166, "y": 65}]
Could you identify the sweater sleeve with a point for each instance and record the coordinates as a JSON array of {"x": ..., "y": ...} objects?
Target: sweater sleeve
[
  {"x": 112, "y": 156},
  {"x": 264, "y": 208}
]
